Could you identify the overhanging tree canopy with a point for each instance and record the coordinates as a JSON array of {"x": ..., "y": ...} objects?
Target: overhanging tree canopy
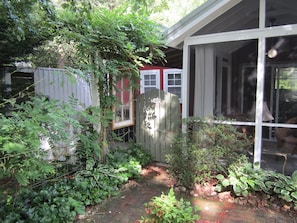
[{"x": 24, "y": 25}]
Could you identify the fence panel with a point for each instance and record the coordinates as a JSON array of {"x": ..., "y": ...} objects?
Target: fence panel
[
  {"x": 157, "y": 122},
  {"x": 56, "y": 84}
]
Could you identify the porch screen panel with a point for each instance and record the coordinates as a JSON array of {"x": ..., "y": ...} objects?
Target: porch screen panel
[{"x": 204, "y": 81}]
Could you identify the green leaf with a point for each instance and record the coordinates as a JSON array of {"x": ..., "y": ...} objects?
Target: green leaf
[
  {"x": 22, "y": 179},
  {"x": 220, "y": 177},
  {"x": 12, "y": 147},
  {"x": 225, "y": 182},
  {"x": 245, "y": 193},
  {"x": 294, "y": 176},
  {"x": 294, "y": 195},
  {"x": 251, "y": 183},
  {"x": 219, "y": 188},
  {"x": 287, "y": 198},
  {"x": 237, "y": 190},
  {"x": 233, "y": 180},
  {"x": 284, "y": 192}
]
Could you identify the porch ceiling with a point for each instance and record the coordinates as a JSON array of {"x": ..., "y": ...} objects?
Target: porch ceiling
[
  {"x": 173, "y": 58},
  {"x": 240, "y": 15}
]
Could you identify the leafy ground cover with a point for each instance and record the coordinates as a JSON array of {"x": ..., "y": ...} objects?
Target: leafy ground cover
[{"x": 63, "y": 199}]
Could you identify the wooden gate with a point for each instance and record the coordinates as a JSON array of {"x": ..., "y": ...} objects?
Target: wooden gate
[{"x": 157, "y": 122}]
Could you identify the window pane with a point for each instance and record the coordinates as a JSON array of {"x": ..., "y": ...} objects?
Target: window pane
[
  {"x": 153, "y": 77},
  {"x": 126, "y": 113},
  {"x": 175, "y": 90},
  {"x": 177, "y": 76},
  {"x": 170, "y": 82},
  {"x": 170, "y": 76}
]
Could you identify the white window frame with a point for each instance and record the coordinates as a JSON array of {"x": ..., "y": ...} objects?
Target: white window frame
[
  {"x": 166, "y": 72},
  {"x": 143, "y": 73}
]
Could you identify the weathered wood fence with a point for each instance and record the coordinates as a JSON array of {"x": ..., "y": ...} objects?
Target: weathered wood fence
[
  {"x": 56, "y": 84},
  {"x": 157, "y": 122}
]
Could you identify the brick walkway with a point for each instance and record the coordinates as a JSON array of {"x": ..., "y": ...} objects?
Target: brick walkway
[{"x": 128, "y": 206}]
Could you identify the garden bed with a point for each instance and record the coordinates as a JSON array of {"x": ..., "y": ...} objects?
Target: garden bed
[{"x": 128, "y": 205}]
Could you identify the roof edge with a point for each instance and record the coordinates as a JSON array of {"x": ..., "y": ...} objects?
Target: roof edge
[{"x": 197, "y": 19}]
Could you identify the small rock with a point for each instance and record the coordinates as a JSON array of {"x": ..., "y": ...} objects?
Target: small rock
[
  {"x": 176, "y": 189},
  {"x": 286, "y": 207},
  {"x": 224, "y": 195},
  {"x": 182, "y": 189},
  {"x": 81, "y": 216},
  {"x": 275, "y": 206},
  {"x": 213, "y": 193},
  {"x": 241, "y": 202},
  {"x": 252, "y": 202}
]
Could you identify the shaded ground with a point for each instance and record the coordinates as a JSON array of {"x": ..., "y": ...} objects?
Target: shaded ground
[{"x": 128, "y": 206}]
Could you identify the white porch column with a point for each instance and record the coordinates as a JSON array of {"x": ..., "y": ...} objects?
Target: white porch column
[
  {"x": 204, "y": 80},
  {"x": 185, "y": 81},
  {"x": 260, "y": 87}
]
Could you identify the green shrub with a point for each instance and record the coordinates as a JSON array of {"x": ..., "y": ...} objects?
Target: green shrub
[
  {"x": 128, "y": 162},
  {"x": 206, "y": 149},
  {"x": 62, "y": 199},
  {"x": 168, "y": 209},
  {"x": 243, "y": 179},
  {"x": 20, "y": 155}
]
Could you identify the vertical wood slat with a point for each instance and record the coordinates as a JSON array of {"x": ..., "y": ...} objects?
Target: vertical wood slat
[
  {"x": 157, "y": 122},
  {"x": 55, "y": 84}
]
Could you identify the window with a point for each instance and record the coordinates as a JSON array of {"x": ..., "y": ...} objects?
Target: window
[
  {"x": 150, "y": 79},
  {"x": 173, "y": 81},
  {"x": 123, "y": 110}
]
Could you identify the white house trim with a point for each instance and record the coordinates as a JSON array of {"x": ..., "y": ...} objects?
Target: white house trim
[
  {"x": 260, "y": 85},
  {"x": 275, "y": 31},
  {"x": 208, "y": 12},
  {"x": 185, "y": 82}
]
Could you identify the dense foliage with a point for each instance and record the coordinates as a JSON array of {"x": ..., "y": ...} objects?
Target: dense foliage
[
  {"x": 24, "y": 25},
  {"x": 207, "y": 148},
  {"x": 22, "y": 131},
  {"x": 61, "y": 199}
]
